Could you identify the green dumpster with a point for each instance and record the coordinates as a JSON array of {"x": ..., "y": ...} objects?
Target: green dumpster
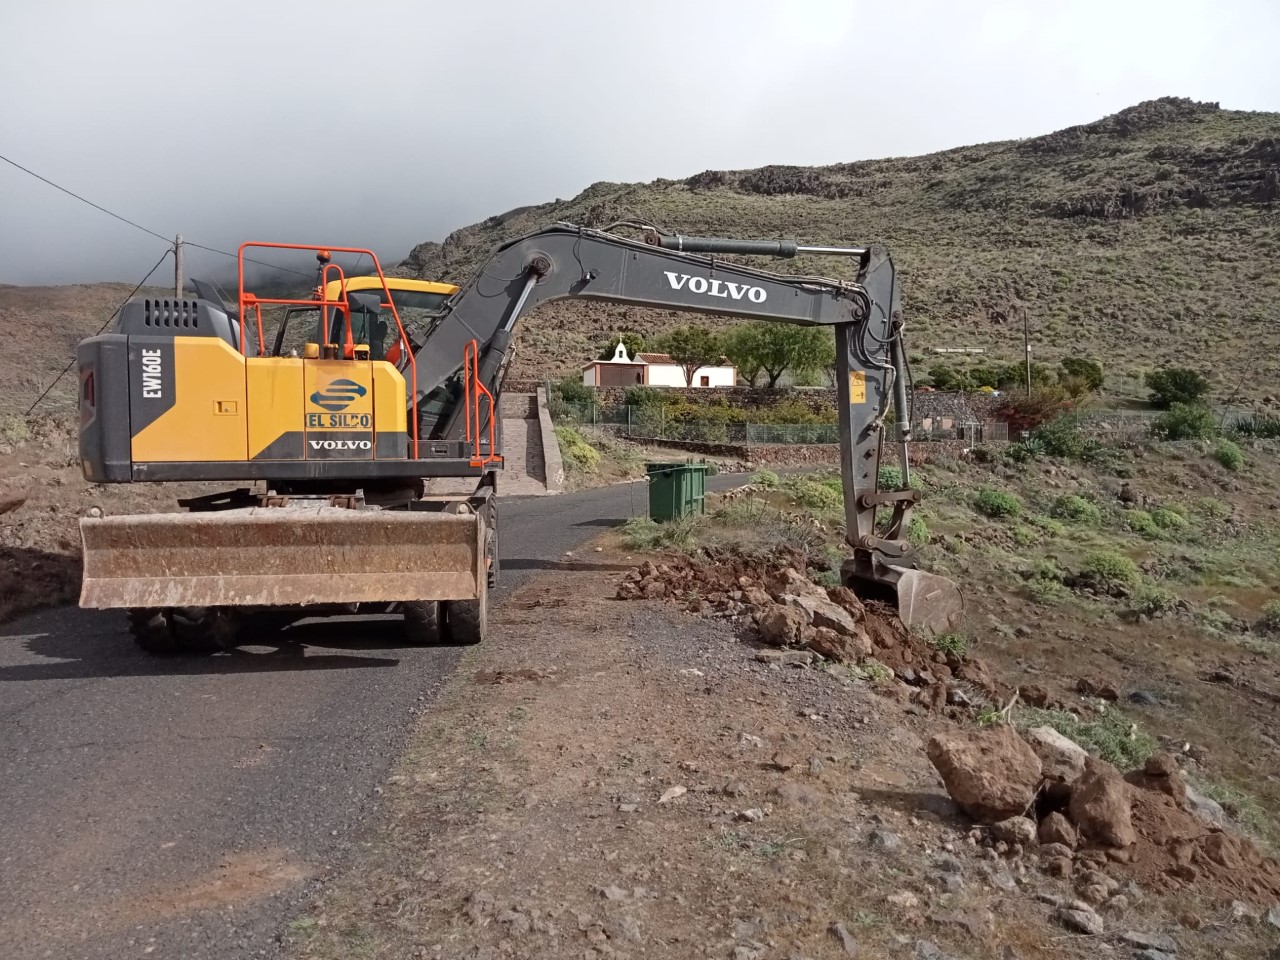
[{"x": 676, "y": 490}]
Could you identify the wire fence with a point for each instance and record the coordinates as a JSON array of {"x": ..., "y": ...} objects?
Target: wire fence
[{"x": 653, "y": 422}]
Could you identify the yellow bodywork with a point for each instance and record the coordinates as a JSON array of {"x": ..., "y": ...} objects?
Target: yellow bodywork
[{"x": 233, "y": 408}]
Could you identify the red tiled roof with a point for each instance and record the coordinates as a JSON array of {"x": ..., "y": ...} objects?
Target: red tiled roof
[{"x": 666, "y": 358}]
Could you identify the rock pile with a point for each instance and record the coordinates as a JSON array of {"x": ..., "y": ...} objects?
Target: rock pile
[
  {"x": 789, "y": 611},
  {"x": 1039, "y": 788}
]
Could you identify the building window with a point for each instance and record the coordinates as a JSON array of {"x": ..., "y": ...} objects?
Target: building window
[{"x": 704, "y": 381}]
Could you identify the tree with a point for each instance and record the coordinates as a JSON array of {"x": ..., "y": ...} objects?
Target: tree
[
  {"x": 1080, "y": 376},
  {"x": 630, "y": 339},
  {"x": 947, "y": 378},
  {"x": 1176, "y": 385},
  {"x": 773, "y": 348},
  {"x": 693, "y": 348}
]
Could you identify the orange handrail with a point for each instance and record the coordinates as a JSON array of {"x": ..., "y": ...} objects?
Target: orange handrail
[
  {"x": 470, "y": 373},
  {"x": 249, "y": 300}
]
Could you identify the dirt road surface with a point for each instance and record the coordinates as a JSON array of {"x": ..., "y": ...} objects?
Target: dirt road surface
[{"x": 184, "y": 809}]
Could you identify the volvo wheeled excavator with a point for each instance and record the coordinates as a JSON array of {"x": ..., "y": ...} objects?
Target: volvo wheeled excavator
[{"x": 339, "y": 422}]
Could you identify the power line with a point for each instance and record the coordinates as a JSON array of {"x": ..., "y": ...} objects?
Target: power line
[
  {"x": 100, "y": 329},
  {"x": 138, "y": 226},
  {"x": 95, "y": 206}
]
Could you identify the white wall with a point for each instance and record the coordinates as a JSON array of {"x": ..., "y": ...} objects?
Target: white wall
[
  {"x": 589, "y": 376},
  {"x": 670, "y": 375}
]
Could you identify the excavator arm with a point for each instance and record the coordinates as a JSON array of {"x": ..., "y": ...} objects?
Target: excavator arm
[{"x": 682, "y": 273}]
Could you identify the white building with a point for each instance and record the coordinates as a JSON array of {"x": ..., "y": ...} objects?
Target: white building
[{"x": 654, "y": 370}]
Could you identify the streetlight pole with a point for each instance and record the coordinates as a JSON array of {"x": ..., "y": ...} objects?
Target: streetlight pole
[{"x": 1026, "y": 342}]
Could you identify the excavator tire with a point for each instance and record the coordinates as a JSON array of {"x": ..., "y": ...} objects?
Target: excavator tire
[
  {"x": 200, "y": 630},
  {"x": 153, "y": 631},
  {"x": 421, "y": 622},
  {"x": 466, "y": 620}
]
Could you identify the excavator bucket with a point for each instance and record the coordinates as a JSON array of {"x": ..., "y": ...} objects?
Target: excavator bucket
[
  {"x": 278, "y": 556},
  {"x": 929, "y": 602},
  {"x": 925, "y": 601}
]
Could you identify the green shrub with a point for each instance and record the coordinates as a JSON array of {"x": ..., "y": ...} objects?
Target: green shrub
[
  {"x": 742, "y": 513},
  {"x": 1107, "y": 570},
  {"x": 1047, "y": 593},
  {"x": 579, "y": 455},
  {"x": 643, "y": 396},
  {"x": 917, "y": 531},
  {"x": 1185, "y": 421},
  {"x": 765, "y": 478},
  {"x": 1175, "y": 385},
  {"x": 574, "y": 391},
  {"x": 1141, "y": 523},
  {"x": 890, "y": 478},
  {"x": 814, "y": 495},
  {"x": 1270, "y": 621},
  {"x": 1153, "y": 600},
  {"x": 1229, "y": 455},
  {"x": 1112, "y": 736},
  {"x": 956, "y": 643},
  {"x": 1260, "y": 425},
  {"x": 873, "y": 670},
  {"x": 1025, "y": 450},
  {"x": 996, "y": 503},
  {"x": 1060, "y": 437},
  {"x": 1054, "y": 528},
  {"x": 1076, "y": 509},
  {"x": 1169, "y": 518}
]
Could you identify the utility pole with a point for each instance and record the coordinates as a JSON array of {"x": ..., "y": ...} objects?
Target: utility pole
[
  {"x": 177, "y": 266},
  {"x": 1026, "y": 342}
]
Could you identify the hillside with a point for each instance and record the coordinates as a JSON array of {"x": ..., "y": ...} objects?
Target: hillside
[
  {"x": 1146, "y": 238},
  {"x": 47, "y": 323}
]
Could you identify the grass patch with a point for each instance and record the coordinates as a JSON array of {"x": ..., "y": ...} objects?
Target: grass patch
[
  {"x": 917, "y": 531},
  {"x": 642, "y": 534},
  {"x": 579, "y": 456},
  {"x": 1214, "y": 508},
  {"x": 1242, "y": 806},
  {"x": 873, "y": 670},
  {"x": 1055, "y": 528},
  {"x": 956, "y": 643},
  {"x": 1169, "y": 519},
  {"x": 1112, "y": 736},
  {"x": 997, "y": 503},
  {"x": 1269, "y": 622}
]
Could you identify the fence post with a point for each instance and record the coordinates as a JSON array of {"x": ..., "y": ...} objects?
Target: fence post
[{"x": 662, "y": 421}]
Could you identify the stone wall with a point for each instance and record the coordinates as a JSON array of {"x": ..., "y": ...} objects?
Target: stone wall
[{"x": 804, "y": 454}]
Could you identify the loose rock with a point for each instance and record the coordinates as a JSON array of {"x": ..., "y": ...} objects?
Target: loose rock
[
  {"x": 783, "y": 626},
  {"x": 1061, "y": 757},
  {"x": 1102, "y": 805},
  {"x": 823, "y": 613},
  {"x": 884, "y": 840},
  {"x": 1055, "y": 828},
  {"x": 1204, "y": 808},
  {"x": 1015, "y": 830},
  {"x": 991, "y": 774},
  {"x": 847, "y": 941},
  {"x": 842, "y": 647},
  {"x": 1152, "y": 941},
  {"x": 1080, "y": 921}
]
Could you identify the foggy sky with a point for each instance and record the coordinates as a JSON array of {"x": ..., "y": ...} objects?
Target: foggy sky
[{"x": 384, "y": 123}]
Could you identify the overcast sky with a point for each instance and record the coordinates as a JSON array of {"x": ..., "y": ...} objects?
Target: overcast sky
[{"x": 383, "y": 124}]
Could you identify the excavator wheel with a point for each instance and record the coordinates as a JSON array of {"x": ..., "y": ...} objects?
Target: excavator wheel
[
  {"x": 201, "y": 630},
  {"x": 421, "y": 621},
  {"x": 153, "y": 631},
  {"x": 466, "y": 620}
]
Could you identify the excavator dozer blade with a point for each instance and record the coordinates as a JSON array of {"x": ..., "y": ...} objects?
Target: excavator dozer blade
[{"x": 281, "y": 556}]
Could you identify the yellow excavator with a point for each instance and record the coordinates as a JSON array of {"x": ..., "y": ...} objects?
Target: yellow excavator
[{"x": 338, "y": 406}]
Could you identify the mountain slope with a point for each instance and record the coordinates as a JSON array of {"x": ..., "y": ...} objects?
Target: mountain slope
[{"x": 1146, "y": 238}]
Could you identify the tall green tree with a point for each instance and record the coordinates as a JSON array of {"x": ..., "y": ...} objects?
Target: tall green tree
[
  {"x": 771, "y": 349},
  {"x": 692, "y": 347}
]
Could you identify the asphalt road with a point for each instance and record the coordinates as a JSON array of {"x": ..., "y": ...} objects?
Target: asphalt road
[{"x": 186, "y": 808}]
